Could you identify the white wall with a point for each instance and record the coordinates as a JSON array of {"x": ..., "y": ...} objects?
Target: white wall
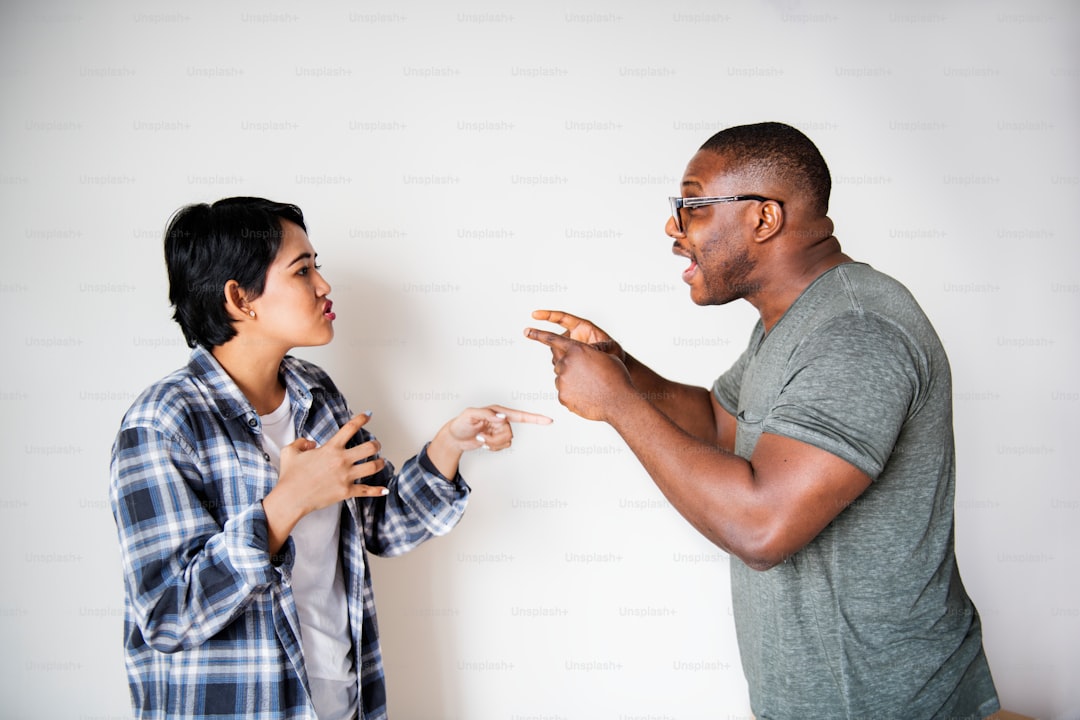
[{"x": 463, "y": 165}]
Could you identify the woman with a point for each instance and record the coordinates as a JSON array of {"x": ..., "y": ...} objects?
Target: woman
[{"x": 246, "y": 494}]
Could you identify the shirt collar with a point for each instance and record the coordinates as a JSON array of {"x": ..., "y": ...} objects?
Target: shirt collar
[{"x": 232, "y": 403}]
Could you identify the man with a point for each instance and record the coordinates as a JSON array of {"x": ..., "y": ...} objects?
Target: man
[{"x": 822, "y": 459}]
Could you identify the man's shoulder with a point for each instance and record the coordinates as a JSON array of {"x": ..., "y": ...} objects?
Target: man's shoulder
[
  {"x": 855, "y": 295},
  {"x": 869, "y": 281},
  {"x": 857, "y": 283}
]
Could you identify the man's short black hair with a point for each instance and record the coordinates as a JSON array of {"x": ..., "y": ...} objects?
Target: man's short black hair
[
  {"x": 208, "y": 245},
  {"x": 776, "y": 150}
]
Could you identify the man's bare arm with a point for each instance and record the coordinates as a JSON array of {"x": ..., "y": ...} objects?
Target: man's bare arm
[
  {"x": 690, "y": 407},
  {"x": 762, "y": 510}
]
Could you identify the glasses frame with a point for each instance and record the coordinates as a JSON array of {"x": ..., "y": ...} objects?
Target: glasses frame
[{"x": 677, "y": 203}]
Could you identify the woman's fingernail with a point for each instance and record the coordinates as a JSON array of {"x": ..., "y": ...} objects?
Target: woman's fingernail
[
  {"x": 480, "y": 439},
  {"x": 385, "y": 491}
]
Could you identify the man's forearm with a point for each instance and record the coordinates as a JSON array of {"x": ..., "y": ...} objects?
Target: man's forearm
[
  {"x": 710, "y": 487},
  {"x": 688, "y": 406}
]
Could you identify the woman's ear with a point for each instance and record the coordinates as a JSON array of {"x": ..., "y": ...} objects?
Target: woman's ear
[{"x": 236, "y": 301}]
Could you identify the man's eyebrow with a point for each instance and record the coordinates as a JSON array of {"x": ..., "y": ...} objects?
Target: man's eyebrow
[{"x": 691, "y": 183}]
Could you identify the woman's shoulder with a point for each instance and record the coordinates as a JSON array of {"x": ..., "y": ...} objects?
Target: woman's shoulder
[{"x": 168, "y": 405}]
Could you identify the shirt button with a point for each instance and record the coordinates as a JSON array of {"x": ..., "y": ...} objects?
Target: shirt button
[
  {"x": 266, "y": 457},
  {"x": 252, "y": 422}
]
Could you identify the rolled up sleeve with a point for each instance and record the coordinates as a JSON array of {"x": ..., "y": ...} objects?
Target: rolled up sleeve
[{"x": 421, "y": 504}]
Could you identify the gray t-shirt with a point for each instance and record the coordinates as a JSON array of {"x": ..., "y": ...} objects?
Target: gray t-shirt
[{"x": 870, "y": 619}]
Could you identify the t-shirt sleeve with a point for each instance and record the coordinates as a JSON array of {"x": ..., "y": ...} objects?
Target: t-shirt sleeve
[{"x": 848, "y": 389}]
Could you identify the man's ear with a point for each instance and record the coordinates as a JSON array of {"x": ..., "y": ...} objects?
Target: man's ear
[
  {"x": 770, "y": 221},
  {"x": 236, "y": 301}
]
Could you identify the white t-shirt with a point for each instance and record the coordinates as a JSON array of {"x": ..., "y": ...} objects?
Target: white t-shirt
[{"x": 318, "y": 586}]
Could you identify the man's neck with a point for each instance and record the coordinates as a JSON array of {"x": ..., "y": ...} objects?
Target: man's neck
[{"x": 794, "y": 277}]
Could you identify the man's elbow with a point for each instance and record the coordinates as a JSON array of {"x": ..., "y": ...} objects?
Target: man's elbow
[
  {"x": 761, "y": 563},
  {"x": 762, "y": 540},
  {"x": 764, "y": 551}
]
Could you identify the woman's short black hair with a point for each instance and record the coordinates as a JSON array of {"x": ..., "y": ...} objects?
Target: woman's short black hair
[{"x": 208, "y": 245}]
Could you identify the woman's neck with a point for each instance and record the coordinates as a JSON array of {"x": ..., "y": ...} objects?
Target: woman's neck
[{"x": 255, "y": 373}]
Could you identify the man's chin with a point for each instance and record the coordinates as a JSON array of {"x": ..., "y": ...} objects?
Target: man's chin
[
  {"x": 701, "y": 297},
  {"x": 704, "y": 299}
]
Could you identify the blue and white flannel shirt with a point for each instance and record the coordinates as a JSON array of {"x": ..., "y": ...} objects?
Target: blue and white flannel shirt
[{"x": 211, "y": 627}]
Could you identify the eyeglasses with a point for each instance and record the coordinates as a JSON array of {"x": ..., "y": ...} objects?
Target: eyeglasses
[{"x": 677, "y": 203}]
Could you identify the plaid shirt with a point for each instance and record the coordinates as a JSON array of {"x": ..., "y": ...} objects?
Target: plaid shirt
[{"x": 211, "y": 627}]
